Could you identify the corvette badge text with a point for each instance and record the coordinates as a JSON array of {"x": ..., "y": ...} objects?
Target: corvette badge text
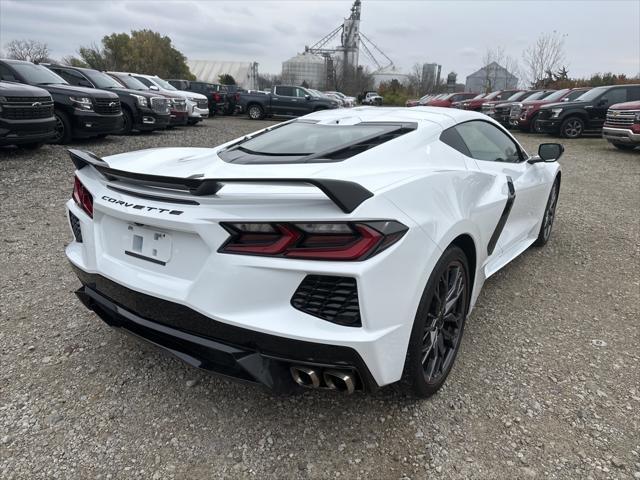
[{"x": 141, "y": 207}]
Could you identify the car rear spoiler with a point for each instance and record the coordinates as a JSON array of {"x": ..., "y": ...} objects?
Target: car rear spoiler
[{"x": 346, "y": 195}]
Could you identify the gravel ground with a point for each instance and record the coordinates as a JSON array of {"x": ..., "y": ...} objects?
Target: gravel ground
[{"x": 547, "y": 383}]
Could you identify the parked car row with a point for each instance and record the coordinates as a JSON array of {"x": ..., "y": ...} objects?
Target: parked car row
[
  {"x": 42, "y": 103},
  {"x": 285, "y": 100},
  {"x": 613, "y": 110}
]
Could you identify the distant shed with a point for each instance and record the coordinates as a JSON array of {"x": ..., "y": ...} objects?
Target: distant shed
[{"x": 245, "y": 73}]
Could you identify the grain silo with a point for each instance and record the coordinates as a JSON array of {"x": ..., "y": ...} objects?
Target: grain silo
[{"x": 305, "y": 67}]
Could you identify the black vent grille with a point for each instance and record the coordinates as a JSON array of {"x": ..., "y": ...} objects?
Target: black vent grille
[
  {"x": 360, "y": 147},
  {"x": 75, "y": 227},
  {"x": 28, "y": 100},
  {"x": 334, "y": 299},
  {"x": 27, "y": 113},
  {"x": 107, "y": 106}
]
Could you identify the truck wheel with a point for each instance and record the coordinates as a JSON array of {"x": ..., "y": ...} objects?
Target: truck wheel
[
  {"x": 127, "y": 122},
  {"x": 30, "y": 146},
  {"x": 534, "y": 126},
  {"x": 63, "y": 128},
  {"x": 255, "y": 112},
  {"x": 624, "y": 146},
  {"x": 572, "y": 127}
]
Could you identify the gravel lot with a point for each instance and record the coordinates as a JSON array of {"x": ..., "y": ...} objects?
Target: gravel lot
[{"x": 547, "y": 383}]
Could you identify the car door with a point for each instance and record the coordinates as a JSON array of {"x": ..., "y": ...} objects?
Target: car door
[
  {"x": 496, "y": 152},
  {"x": 286, "y": 101},
  {"x": 598, "y": 111}
]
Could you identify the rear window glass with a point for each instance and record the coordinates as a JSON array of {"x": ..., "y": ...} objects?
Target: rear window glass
[{"x": 297, "y": 141}]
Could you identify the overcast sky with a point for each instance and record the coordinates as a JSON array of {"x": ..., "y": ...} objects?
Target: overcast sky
[{"x": 600, "y": 35}]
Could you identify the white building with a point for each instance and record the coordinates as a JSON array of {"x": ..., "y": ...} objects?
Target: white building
[
  {"x": 244, "y": 73},
  {"x": 305, "y": 68},
  {"x": 492, "y": 77},
  {"x": 388, "y": 74}
]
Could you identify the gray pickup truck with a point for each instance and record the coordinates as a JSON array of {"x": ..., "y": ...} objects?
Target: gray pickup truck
[{"x": 284, "y": 100}]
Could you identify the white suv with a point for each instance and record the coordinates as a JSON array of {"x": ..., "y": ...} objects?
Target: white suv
[{"x": 197, "y": 104}]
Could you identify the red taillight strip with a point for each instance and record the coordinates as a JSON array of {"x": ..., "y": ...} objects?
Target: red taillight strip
[
  {"x": 361, "y": 240},
  {"x": 82, "y": 197}
]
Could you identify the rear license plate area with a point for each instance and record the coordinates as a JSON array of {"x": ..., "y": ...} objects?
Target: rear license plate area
[{"x": 148, "y": 244}]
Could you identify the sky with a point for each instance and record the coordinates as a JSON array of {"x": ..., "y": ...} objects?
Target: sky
[{"x": 600, "y": 35}]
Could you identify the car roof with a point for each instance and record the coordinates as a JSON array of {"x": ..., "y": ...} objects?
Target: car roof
[{"x": 444, "y": 117}]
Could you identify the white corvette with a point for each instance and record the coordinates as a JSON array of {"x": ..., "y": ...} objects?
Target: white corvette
[{"x": 341, "y": 250}]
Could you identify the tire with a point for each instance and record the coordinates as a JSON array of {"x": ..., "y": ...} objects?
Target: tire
[
  {"x": 533, "y": 125},
  {"x": 623, "y": 146},
  {"x": 127, "y": 122},
  {"x": 255, "y": 112},
  {"x": 63, "y": 128},
  {"x": 572, "y": 127},
  {"x": 548, "y": 216},
  {"x": 434, "y": 342}
]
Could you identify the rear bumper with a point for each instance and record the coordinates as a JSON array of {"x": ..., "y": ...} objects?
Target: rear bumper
[
  {"x": 89, "y": 124},
  {"x": 216, "y": 347},
  {"x": 18, "y": 132},
  {"x": 621, "y": 135}
]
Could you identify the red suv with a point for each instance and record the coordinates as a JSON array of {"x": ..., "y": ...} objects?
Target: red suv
[
  {"x": 524, "y": 117},
  {"x": 622, "y": 126},
  {"x": 449, "y": 99},
  {"x": 477, "y": 102}
]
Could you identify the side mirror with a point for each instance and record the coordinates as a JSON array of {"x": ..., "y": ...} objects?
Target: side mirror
[
  {"x": 308, "y": 97},
  {"x": 154, "y": 88},
  {"x": 548, "y": 152}
]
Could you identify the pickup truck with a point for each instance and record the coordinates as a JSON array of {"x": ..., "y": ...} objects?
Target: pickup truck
[
  {"x": 586, "y": 113},
  {"x": 284, "y": 100},
  {"x": 622, "y": 126},
  {"x": 217, "y": 95},
  {"x": 372, "y": 98}
]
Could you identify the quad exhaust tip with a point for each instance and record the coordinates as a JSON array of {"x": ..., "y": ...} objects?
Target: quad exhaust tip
[
  {"x": 306, "y": 377},
  {"x": 339, "y": 380},
  {"x": 309, "y": 377}
]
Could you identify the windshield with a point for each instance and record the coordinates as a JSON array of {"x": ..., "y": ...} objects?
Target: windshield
[
  {"x": 164, "y": 84},
  {"x": 478, "y": 96},
  {"x": 537, "y": 96},
  {"x": 101, "y": 80},
  {"x": 557, "y": 95},
  {"x": 516, "y": 96},
  {"x": 290, "y": 142},
  {"x": 37, "y": 74},
  {"x": 131, "y": 82},
  {"x": 593, "y": 93}
]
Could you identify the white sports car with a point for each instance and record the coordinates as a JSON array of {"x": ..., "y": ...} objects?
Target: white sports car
[{"x": 342, "y": 250}]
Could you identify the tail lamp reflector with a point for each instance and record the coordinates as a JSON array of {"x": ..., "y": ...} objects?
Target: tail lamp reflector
[
  {"x": 82, "y": 197},
  {"x": 339, "y": 241}
]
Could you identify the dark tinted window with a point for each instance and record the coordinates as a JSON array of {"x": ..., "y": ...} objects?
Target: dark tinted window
[
  {"x": 285, "y": 91},
  {"x": 634, "y": 94},
  {"x": 452, "y": 138},
  {"x": 615, "y": 95},
  {"x": 7, "y": 74},
  {"x": 37, "y": 74},
  {"x": 145, "y": 81},
  {"x": 71, "y": 76},
  {"x": 487, "y": 142},
  {"x": 575, "y": 94},
  {"x": 130, "y": 82}
]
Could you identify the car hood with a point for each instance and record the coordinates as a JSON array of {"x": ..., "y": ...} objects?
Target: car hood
[
  {"x": 20, "y": 89},
  {"x": 143, "y": 93},
  {"x": 78, "y": 91},
  {"x": 566, "y": 104},
  {"x": 626, "y": 106}
]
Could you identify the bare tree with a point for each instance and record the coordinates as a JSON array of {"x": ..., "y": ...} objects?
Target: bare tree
[
  {"x": 416, "y": 81},
  {"x": 546, "y": 55},
  {"x": 29, "y": 50}
]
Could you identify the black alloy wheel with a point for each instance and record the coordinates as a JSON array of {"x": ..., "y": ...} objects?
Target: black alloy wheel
[
  {"x": 572, "y": 127},
  {"x": 444, "y": 323},
  {"x": 62, "y": 128},
  {"x": 549, "y": 215},
  {"x": 439, "y": 324}
]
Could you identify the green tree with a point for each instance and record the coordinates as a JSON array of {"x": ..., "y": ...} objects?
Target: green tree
[
  {"x": 226, "y": 79},
  {"x": 143, "y": 51}
]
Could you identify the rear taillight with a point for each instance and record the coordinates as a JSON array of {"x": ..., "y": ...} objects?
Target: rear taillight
[
  {"x": 216, "y": 97},
  {"x": 339, "y": 241},
  {"x": 82, "y": 197},
  {"x": 237, "y": 97}
]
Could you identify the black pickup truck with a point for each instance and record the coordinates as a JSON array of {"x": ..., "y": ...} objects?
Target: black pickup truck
[
  {"x": 141, "y": 111},
  {"x": 585, "y": 114},
  {"x": 218, "y": 97},
  {"x": 80, "y": 112},
  {"x": 26, "y": 115},
  {"x": 284, "y": 100}
]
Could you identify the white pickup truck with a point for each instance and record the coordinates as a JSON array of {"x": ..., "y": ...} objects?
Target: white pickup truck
[{"x": 372, "y": 98}]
